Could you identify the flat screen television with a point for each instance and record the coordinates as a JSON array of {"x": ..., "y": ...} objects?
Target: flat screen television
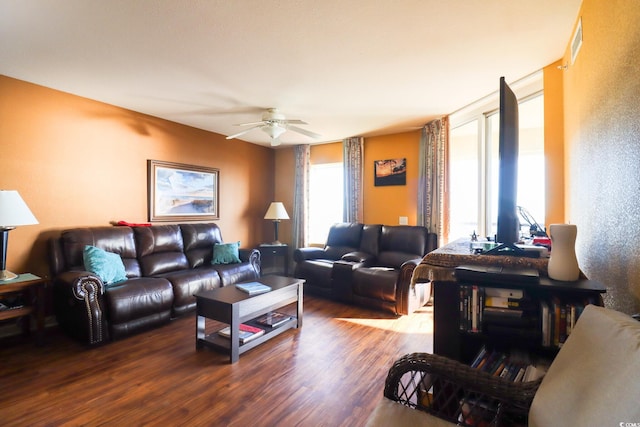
[{"x": 508, "y": 223}]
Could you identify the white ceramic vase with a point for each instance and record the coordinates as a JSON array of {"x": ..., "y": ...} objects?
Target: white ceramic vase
[{"x": 563, "y": 264}]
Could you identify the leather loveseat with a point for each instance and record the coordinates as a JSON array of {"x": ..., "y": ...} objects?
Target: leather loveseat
[
  {"x": 369, "y": 265},
  {"x": 164, "y": 265}
]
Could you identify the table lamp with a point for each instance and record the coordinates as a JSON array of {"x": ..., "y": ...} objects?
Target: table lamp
[
  {"x": 276, "y": 212},
  {"x": 13, "y": 212}
]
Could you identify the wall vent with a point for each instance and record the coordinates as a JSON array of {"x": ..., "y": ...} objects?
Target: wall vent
[{"x": 576, "y": 41}]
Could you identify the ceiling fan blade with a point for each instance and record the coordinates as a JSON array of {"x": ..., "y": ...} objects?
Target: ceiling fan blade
[
  {"x": 296, "y": 122},
  {"x": 261, "y": 122},
  {"x": 304, "y": 132},
  {"x": 243, "y": 132}
]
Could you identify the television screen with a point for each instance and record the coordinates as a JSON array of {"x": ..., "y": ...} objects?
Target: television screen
[
  {"x": 508, "y": 224},
  {"x": 508, "y": 220}
]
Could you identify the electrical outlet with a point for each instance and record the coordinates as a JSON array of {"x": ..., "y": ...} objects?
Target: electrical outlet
[{"x": 403, "y": 220}]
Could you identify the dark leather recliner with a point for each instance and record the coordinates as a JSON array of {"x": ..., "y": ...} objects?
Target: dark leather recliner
[
  {"x": 369, "y": 265},
  {"x": 165, "y": 265},
  {"x": 386, "y": 285}
]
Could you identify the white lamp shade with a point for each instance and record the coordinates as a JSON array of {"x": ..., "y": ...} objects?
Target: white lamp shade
[
  {"x": 276, "y": 211},
  {"x": 14, "y": 211}
]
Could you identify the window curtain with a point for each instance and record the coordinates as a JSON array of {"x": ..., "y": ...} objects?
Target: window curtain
[
  {"x": 432, "y": 178},
  {"x": 352, "y": 149},
  {"x": 301, "y": 195}
]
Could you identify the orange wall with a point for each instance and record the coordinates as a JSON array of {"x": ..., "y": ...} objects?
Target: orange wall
[
  {"x": 384, "y": 205},
  {"x": 78, "y": 162},
  {"x": 326, "y": 153},
  {"x": 554, "y": 144}
]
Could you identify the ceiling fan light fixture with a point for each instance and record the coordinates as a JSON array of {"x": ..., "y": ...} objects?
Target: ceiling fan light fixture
[{"x": 273, "y": 130}]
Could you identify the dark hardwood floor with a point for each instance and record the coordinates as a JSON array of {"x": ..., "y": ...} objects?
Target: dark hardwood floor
[{"x": 328, "y": 373}]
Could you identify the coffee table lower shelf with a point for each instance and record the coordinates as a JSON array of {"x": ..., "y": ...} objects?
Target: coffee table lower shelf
[
  {"x": 217, "y": 342},
  {"x": 233, "y": 307}
]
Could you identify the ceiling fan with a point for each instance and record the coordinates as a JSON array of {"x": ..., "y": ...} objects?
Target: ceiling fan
[{"x": 274, "y": 124}]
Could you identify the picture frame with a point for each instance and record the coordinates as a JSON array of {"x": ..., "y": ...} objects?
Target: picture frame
[
  {"x": 390, "y": 172},
  {"x": 179, "y": 192}
]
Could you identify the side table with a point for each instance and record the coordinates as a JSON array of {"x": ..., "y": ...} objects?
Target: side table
[
  {"x": 30, "y": 288},
  {"x": 274, "y": 259}
]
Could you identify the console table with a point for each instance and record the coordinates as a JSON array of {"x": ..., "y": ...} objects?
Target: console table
[
  {"x": 438, "y": 267},
  {"x": 274, "y": 259},
  {"x": 30, "y": 288}
]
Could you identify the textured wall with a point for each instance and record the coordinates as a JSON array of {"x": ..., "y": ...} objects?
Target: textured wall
[{"x": 602, "y": 125}]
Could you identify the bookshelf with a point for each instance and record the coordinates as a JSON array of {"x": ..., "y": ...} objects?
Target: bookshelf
[{"x": 460, "y": 332}]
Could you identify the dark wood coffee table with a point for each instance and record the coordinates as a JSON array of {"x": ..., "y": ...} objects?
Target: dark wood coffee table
[{"x": 233, "y": 307}]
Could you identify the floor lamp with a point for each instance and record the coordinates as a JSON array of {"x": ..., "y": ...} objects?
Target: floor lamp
[
  {"x": 276, "y": 212},
  {"x": 13, "y": 212}
]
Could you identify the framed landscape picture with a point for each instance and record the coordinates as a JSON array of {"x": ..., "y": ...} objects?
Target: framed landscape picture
[
  {"x": 390, "y": 172},
  {"x": 180, "y": 192}
]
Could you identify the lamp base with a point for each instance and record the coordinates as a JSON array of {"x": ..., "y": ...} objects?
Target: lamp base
[{"x": 7, "y": 275}]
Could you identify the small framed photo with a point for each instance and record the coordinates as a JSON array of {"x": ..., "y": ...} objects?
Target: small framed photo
[
  {"x": 390, "y": 172},
  {"x": 180, "y": 192}
]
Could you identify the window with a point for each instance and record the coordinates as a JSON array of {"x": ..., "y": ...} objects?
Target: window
[
  {"x": 473, "y": 164},
  {"x": 325, "y": 200}
]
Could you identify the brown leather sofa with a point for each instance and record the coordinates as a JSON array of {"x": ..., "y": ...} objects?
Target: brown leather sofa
[
  {"x": 369, "y": 265},
  {"x": 165, "y": 265}
]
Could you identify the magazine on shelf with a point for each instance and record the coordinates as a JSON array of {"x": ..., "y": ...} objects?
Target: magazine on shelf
[
  {"x": 274, "y": 319},
  {"x": 253, "y": 288},
  {"x": 246, "y": 332}
]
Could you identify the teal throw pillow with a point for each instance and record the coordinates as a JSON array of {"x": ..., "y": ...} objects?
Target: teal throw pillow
[
  {"x": 106, "y": 265},
  {"x": 226, "y": 253}
]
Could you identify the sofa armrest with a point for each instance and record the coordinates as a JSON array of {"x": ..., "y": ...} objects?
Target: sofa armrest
[
  {"x": 303, "y": 254},
  {"x": 78, "y": 305},
  {"x": 252, "y": 256},
  {"x": 79, "y": 283},
  {"x": 405, "y": 292},
  {"x": 456, "y": 392},
  {"x": 363, "y": 259}
]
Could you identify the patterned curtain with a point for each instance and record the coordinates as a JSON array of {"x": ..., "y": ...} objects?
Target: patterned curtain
[
  {"x": 301, "y": 196},
  {"x": 432, "y": 178},
  {"x": 352, "y": 149}
]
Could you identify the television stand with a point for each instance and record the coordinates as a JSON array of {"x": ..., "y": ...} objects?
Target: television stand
[{"x": 511, "y": 249}]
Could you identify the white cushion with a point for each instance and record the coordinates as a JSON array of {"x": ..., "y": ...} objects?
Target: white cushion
[
  {"x": 389, "y": 413},
  {"x": 595, "y": 378}
]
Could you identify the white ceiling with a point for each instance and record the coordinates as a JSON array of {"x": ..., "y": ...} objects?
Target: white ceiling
[{"x": 356, "y": 67}]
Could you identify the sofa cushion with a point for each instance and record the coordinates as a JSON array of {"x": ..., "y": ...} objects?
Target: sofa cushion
[
  {"x": 118, "y": 240},
  {"x": 377, "y": 283},
  {"x": 106, "y": 265},
  {"x": 226, "y": 253},
  {"x": 594, "y": 378},
  {"x": 198, "y": 242},
  {"x": 233, "y": 273},
  {"x": 317, "y": 273},
  {"x": 409, "y": 239},
  {"x": 160, "y": 249},
  {"x": 343, "y": 238},
  {"x": 394, "y": 259},
  {"x": 359, "y": 257},
  {"x": 138, "y": 304},
  {"x": 188, "y": 282}
]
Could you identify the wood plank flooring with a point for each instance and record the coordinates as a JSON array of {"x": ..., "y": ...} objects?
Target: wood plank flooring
[{"x": 328, "y": 373}]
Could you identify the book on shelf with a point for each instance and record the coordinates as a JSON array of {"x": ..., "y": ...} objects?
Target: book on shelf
[
  {"x": 273, "y": 319},
  {"x": 246, "y": 332},
  {"x": 253, "y": 288},
  {"x": 516, "y": 366},
  {"x": 504, "y": 293},
  {"x": 558, "y": 318}
]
